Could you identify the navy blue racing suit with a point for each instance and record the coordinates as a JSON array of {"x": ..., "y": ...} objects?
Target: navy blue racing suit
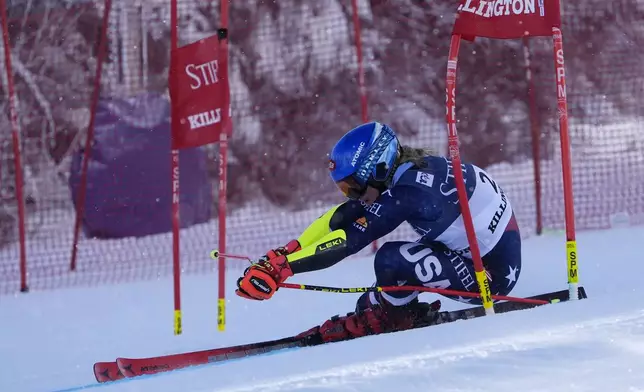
[{"x": 425, "y": 197}]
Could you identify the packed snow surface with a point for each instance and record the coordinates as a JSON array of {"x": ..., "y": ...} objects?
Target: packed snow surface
[{"x": 49, "y": 340}]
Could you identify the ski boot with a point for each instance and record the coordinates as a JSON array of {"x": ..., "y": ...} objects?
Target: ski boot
[{"x": 373, "y": 319}]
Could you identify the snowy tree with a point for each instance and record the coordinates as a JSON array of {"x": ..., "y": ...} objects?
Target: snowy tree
[{"x": 293, "y": 73}]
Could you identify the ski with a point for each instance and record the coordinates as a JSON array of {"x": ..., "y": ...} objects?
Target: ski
[
  {"x": 107, "y": 371},
  {"x": 132, "y": 367},
  {"x": 505, "y": 307}
]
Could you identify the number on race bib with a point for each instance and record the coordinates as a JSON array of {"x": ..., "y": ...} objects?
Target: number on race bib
[{"x": 487, "y": 180}]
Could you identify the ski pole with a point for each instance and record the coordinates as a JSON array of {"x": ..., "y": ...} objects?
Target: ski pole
[
  {"x": 214, "y": 254},
  {"x": 348, "y": 290}
]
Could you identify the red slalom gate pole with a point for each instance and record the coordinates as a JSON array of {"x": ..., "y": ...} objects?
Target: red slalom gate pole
[
  {"x": 15, "y": 140},
  {"x": 362, "y": 89},
  {"x": 174, "y": 178},
  {"x": 353, "y": 290},
  {"x": 534, "y": 133},
  {"x": 223, "y": 181},
  {"x": 459, "y": 177},
  {"x": 89, "y": 139}
]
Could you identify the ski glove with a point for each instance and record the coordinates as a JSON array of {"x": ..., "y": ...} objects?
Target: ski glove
[
  {"x": 292, "y": 247},
  {"x": 261, "y": 280}
]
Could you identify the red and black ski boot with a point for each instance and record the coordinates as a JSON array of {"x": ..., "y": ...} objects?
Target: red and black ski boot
[{"x": 380, "y": 318}]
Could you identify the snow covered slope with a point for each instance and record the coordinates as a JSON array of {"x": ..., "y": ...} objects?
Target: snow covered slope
[{"x": 49, "y": 340}]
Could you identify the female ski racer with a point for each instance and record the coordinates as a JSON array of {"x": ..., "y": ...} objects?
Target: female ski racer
[{"x": 387, "y": 184}]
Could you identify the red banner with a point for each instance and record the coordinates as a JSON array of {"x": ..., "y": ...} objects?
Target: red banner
[
  {"x": 507, "y": 19},
  {"x": 200, "y": 93}
]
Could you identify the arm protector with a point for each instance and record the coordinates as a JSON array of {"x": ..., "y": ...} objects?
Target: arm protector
[{"x": 321, "y": 247}]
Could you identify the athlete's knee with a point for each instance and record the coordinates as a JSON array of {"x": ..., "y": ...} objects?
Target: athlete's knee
[{"x": 393, "y": 269}]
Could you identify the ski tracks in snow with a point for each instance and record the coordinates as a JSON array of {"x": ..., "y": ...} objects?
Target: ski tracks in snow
[{"x": 597, "y": 351}]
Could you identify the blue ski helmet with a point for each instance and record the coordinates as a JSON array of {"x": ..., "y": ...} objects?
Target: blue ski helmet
[{"x": 365, "y": 154}]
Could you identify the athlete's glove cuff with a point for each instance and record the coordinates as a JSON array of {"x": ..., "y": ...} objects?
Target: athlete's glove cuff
[{"x": 291, "y": 247}]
